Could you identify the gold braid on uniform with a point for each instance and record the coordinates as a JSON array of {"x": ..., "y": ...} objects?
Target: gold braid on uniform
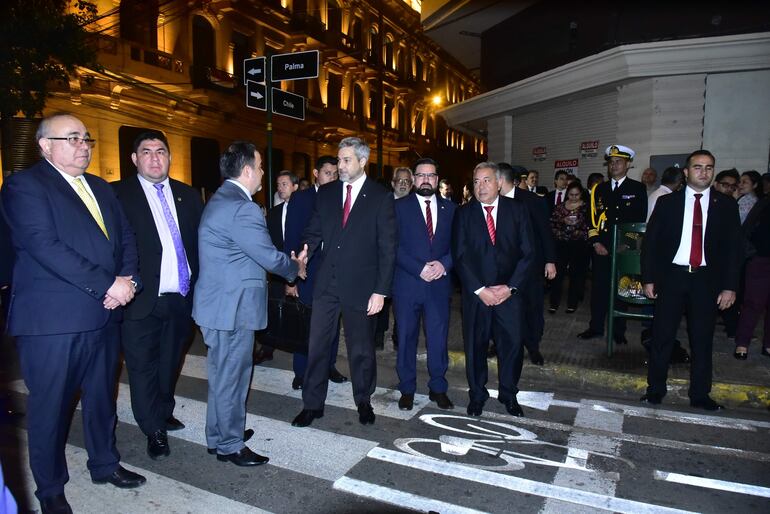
[{"x": 596, "y": 224}]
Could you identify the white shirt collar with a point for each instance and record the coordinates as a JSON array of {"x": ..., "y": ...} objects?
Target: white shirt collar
[{"x": 241, "y": 186}]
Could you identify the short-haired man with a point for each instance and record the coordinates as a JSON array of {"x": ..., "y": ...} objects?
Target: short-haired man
[
  {"x": 650, "y": 180},
  {"x": 726, "y": 182},
  {"x": 402, "y": 182},
  {"x": 165, "y": 214},
  {"x": 445, "y": 189},
  {"x": 532, "y": 179},
  {"x": 691, "y": 256},
  {"x": 670, "y": 182},
  {"x": 559, "y": 194}
]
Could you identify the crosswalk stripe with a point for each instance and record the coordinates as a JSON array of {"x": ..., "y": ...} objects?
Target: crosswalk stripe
[
  {"x": 278, "y": 381},
  {"x": 399, "y": 498},
  {"x": 712, "y": 483},
  {"x": 159, "y": 494}
]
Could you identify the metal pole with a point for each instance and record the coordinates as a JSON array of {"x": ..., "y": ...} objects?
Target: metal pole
[{"x": 269, "y": 111}]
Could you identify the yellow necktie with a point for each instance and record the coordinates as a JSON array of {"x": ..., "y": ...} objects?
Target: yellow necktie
[{"x": 90, "y": 204}]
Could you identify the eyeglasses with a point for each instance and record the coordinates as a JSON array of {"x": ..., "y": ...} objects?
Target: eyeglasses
[
  {"x": 428, "y": 176},
  {"x": 75, "y": 140},
  {"x": 728, "y": 185},
  {"x": 403, "y": 181}
]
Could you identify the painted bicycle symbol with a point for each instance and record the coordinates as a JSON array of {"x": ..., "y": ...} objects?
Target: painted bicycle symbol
[{"x": 494, "y": 445}]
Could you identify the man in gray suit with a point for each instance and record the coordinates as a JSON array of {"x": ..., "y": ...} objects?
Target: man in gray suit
[{"x": 231, "y": 296}]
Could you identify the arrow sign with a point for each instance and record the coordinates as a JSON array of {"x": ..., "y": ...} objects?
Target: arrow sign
[
  {"x": 294, "y": 66},
  {"x": 254, "y": 69},
  {"x": 288, "y": 104},
  {"x": 255, "y": 95}
]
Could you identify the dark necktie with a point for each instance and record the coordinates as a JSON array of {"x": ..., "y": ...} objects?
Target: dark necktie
[
  {"x": 696, "y": 246},
  {"x": 558, "y": 197},
  {"x": 614, "y": 185},
  {"x": 490, "y": 223},
  {"x": 346, "y": 207},
  {"x": 429, "y": 220},
  {"x": 176, "y": 237}
]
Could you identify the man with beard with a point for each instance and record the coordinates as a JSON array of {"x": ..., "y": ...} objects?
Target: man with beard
[{"x": 422, "y": 287}]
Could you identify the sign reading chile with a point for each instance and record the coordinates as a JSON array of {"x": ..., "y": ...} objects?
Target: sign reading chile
[{"x": 294, "y": 66}]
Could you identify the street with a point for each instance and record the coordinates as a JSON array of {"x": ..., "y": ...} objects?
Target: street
[{"x": 572, "y": 452}]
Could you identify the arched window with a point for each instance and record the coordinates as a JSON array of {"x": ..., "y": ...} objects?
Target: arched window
[
  {"x": 204, "y": 56},
  {"x": 333, "y": 16}
]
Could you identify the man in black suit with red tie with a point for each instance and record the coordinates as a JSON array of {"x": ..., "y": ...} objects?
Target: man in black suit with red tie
[
  {"x": 493, "y": 252},
  {"x": 354, "y": 230},
  {"x": 691, "y": 256}
]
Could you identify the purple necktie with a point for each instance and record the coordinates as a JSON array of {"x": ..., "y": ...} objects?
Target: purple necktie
[{"x": 181, "y": 259}]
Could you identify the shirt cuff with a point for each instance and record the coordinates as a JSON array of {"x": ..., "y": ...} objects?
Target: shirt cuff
[{"x": 479, "y": 290}]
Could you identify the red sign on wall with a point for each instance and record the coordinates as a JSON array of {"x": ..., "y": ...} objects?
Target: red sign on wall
[
  {"x": 539, "y": 153},
  {"x": 589, "y": 148}
]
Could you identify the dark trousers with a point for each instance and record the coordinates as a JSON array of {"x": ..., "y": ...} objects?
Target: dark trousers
[
  {"x": 480, "y": 324},
  {"x": 299, "y": 360},
  {"x": 55, "y": 368},
  {"x": 695, "y": 293},
  {"x": 532, "y": 297},
  {"x": 153, "y": 348},
  {"x": 571, "y": 262},
  {"x": 756, "y": 300},
  {"x": 359, "y": 340},
  {"x": 600, "y": 296}
]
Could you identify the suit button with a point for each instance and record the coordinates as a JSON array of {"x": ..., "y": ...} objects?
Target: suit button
[{"x": 339, "y": 247}]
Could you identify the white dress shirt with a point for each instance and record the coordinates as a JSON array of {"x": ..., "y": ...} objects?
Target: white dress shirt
[
  {"x": 357, "y": 185},
  {"x": 682, "y": 257},
  {"x": 653, "y": 199},
  {"x": 617, "y": 183},
  {"x": 494, "y": 219},
  {"x": 284, "y": 210},
  {"x": 241, "y": 187}
]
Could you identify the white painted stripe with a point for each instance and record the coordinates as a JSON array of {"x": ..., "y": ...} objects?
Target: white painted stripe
[
  {"x": 533, "y": 399},
  {"x": 522, "y": 485},
  {"x": 160, "y": 494},
  {"x": 712, "y": 483},
  {"x": 399, "y": 498},
  {"x": 331, "y": 457},
  {"x": 680, "y": 417},
  {"x": 278, "y": 381}
]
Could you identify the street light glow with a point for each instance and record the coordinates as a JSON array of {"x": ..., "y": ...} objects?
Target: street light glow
[{"x": 437, "y": 100}]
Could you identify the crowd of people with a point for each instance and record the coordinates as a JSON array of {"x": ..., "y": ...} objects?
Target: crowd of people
[{"x": 119, "y": 264}]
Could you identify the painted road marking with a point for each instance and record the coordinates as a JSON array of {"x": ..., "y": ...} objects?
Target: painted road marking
[
  {"x": 521, "y": 485},
  {"x": 680, "y": 417},
  {"x": 711, "y": 483},
  {"x": 399, "y": 498}
]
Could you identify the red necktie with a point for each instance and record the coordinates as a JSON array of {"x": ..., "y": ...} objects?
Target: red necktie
[
  {"x": 490, "y": 222},
  {"x": 429, "y": 220},
  {"x": 558, "y": 198},
  {"x": 696, "y": 246},
  {"x": 346, "y": 207}
]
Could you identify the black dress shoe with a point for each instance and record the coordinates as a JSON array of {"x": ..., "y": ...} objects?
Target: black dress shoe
[
  {"x": 55, "y": 505},
  {"x": 262, "y": 355},
  {"x": 475, "y": 408},
  {"x": 651, "y": 398},
  {"x": 366, "y": 414},
  {"x": 406, "y": 402},
  {"x": 741, "y": 356},
  {"x": 122, "y": 478},
  {"x": 245, "y": 457},
  {"x": 589, "y": 334},
  {"x": 337, "y": 377},
  {"x": 441, "y": 399},
  {"x": 552, "y": 310},
  {"x": 570, "y": 310},
  {"x": 706, "y": 404},
  {"x": 174, "y": 424},
  {"x": 512, "y": 407},
  {"x": 157, "y": 445},
  {"x": 536, "y": 357},
  {"x": 247, "y": 434},
  {"x": 306, "y": 417},
  {"x": 296, "y": 383}
]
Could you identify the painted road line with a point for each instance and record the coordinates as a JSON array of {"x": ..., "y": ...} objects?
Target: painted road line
[
  {"x": 521, "y": 485},
  {"x": 711, "y": 483},
  {"x": 159, "y": 495},
  {"x": 533, "y": 399},
  {"x": 597, "y": 482},
  {"x": 332, "y": 457},
  {"x": 680, "y": 417},
  {"x": 399, "y": 498},
  {"x": 278, "y": 381}
]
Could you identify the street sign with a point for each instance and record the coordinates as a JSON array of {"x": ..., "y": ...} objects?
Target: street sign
[
  {"x": 255, "y": 95},
  {"x": 254, "y": 69},
  {"x": 294, "y": 66},
  {"x": 288, "y": 104}
]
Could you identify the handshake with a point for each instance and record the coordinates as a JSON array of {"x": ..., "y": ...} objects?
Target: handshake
[
  {"x": 301, "y": 261},
  {"x": 121, "y": 292}
]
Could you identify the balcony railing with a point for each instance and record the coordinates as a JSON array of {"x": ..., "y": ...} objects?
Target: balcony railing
[{"x": 211, "y": 78}]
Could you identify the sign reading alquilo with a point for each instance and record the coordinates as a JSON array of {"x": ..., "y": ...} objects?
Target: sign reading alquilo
[
  {"x": 539, "y": 153},
  {"x": 568, "y": 165},
  {"x": 589, "y": 148}
]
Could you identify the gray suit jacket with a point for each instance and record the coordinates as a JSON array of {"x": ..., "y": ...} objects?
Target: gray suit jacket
[{"x": 235, "y": 253}]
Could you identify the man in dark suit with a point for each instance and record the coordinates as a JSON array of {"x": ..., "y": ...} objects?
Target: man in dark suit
[
  {"x": 544, "y": 259},
  {"x": 297, "y": 219},
  {"x": 493, "y": 251},
  {"x": 76, "y": 265},
  {"x": 164, "y": 214},
  {"x": 531, "y": 180},
  {"x": 691, "y": 256},
  {"x": 354, "y": 230},
  {"x": 619, "y": 200},
  {"x": 559, "y": 194},
  {"x": 422, "y": 287}
]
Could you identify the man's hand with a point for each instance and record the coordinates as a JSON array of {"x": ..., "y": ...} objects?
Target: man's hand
[
  {"x": 432, "y": 270},
  {"x": 301, "y": 261},
  {"x": 376, "y": 301},
  {"x": 502, "y": 292},
  {"x": 726, "y": 299},
  {"x": 292, "y": 291},
  {"x": 120, "y": 293},
  {"x": 600, "y": 249},
  {"x": 487, "y": 296},
  {"x": 550, "y": 270},
  {"x": 649, "y": 291}
]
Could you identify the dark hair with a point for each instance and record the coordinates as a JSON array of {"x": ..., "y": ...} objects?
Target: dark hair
[
  {"x": 697, "y": 153},
  {"x": 559, "y": 173},
  {"x": 575, "y": 185},
  {"x": 425, "y": 160},
  {"x": 506, "y": 171},
  {"x": 594, "y": 178},
  {"x": 672, "y": 175},
  {"x": 292, "y": 176},
  {"x": 237, "y": 155},
  {"x": 732, "y": 172},
  {"x": 149, "y": 135},
  {"x": 444, "y": 182},
  {"x": 756, "y": 179},
  {"x": 325, "y": 159}
]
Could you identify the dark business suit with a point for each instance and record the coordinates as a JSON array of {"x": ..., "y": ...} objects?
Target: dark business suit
[
  {"x": 67, "y": 341},
  {"x": 276, "y": 288},
  {"x": 356, "y": 261},
  {"x": 414, "y": 298},
  {"x": 695, "y": 293},
  {"x": 550, "y": 199},
  {"x": 156, "y": 327},
  {"x": 479, "y": 263},
  {"x": 6, "y": 263}
]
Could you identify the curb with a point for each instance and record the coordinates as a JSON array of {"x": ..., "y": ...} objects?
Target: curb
[{"x": 733, "y": 395}]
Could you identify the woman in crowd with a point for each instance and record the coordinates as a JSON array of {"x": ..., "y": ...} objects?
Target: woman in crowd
[
  {"x": 750, "y": 189},
  {"x": 569, "y": 224}
]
